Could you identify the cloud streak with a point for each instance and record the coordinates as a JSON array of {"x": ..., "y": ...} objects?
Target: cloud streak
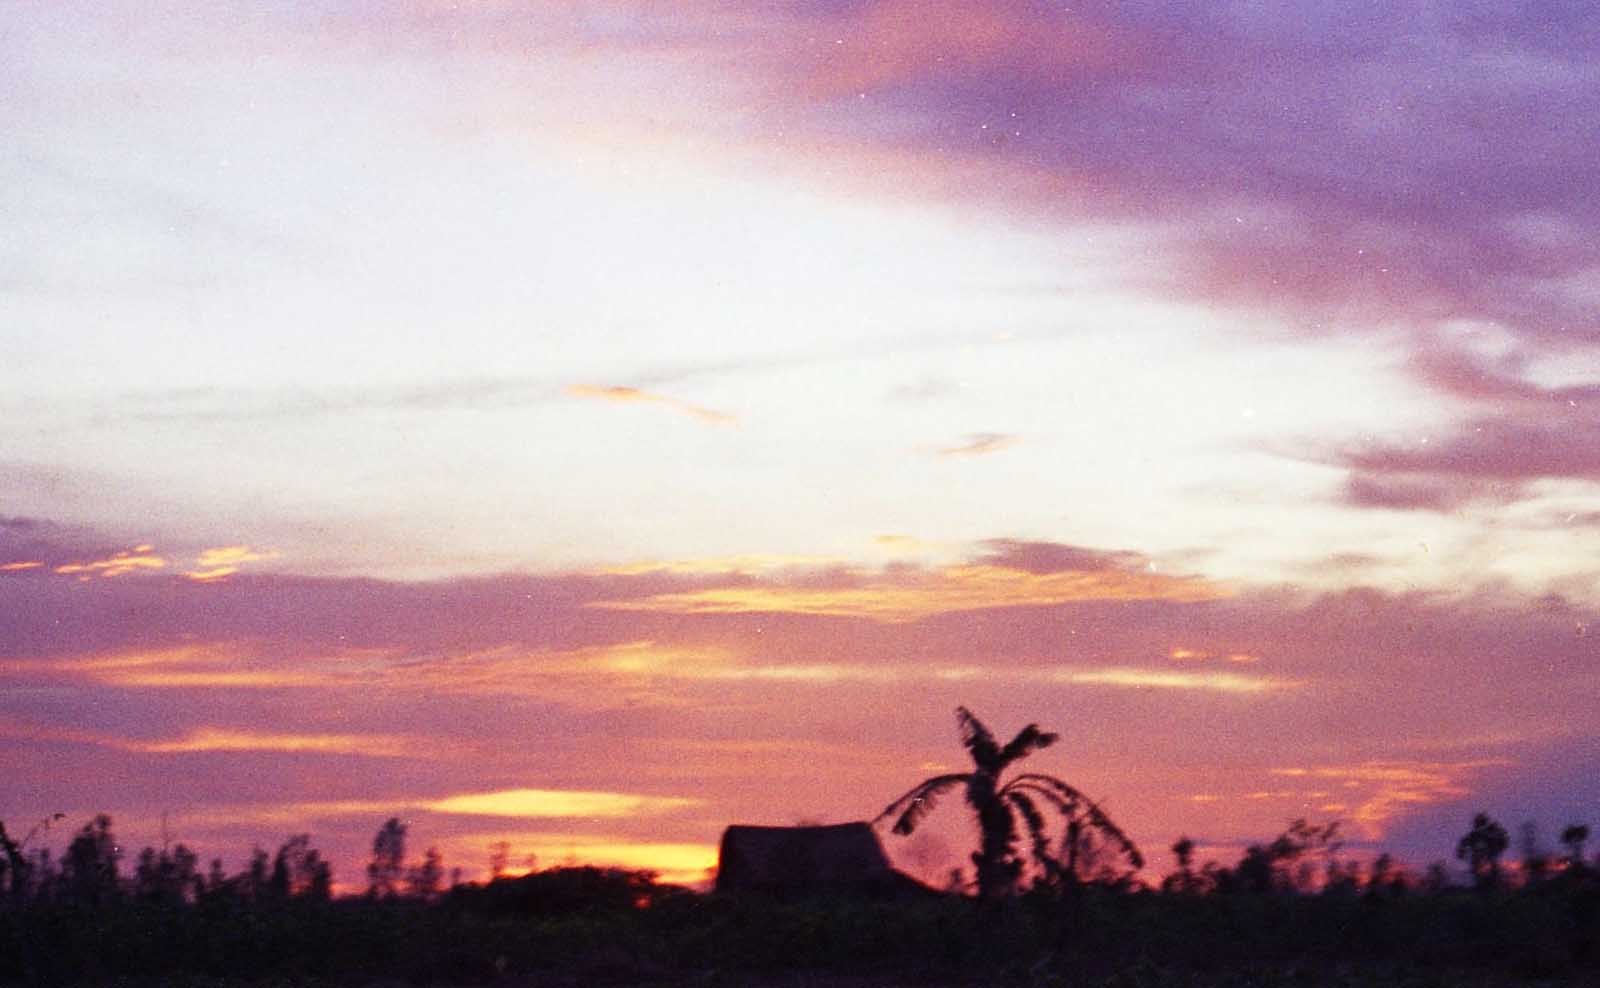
[
  {"x": 1515, "y": 433},
  {"x": 913, "y": 597},
  {"x": 631, "y": 396},
  {"x": 980, "y": 444}
]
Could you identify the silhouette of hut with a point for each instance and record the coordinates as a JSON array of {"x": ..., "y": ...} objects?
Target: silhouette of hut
[{"x": 788, "y": 861}]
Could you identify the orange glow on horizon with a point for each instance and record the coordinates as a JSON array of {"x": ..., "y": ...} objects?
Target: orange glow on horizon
[{"x": 683, "y": 863}]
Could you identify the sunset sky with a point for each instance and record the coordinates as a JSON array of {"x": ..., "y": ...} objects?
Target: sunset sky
[{"x": 587, "y": 425}]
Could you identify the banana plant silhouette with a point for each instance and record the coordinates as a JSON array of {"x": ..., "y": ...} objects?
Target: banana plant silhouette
[{"x": 999, "y": 806}]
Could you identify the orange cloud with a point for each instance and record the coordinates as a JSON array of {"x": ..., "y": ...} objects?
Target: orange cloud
[
  {"x": 1393, "y": 786},
  {"x": 19, "y": 567},
  {"x": 139, "y": 558},
  {"x": 1195, "y": 654},
  {"x": 229, "y": 740},
  {"x": 634, "y": 395},
  {"x": 979, "y": 444},
  {"x": 904, "y": 545},
  {"x": 905, "y": 598},
  {"x": 223, "y": 739},
  {"x": 1221, "y": 682},
  {"x": 557, "y": 803},
  {"x": 224, "y": 561},
  {"x": 747, "y": 563},
  {"x": 220, "y": 665}
]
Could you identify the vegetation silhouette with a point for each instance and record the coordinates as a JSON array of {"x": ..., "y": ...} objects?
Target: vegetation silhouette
[
  {"x": 1573, "y": 838},
  {"x": 387, "y": 867},
  {"x": 998, "y": 806},
  {"x": 1481, "y": 848},
  {"x": 1289, "y": 911}
]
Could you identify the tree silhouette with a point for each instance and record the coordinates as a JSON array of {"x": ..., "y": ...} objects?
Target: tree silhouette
[
  {"x": 1267, "y": 867},
  {"x": 89, "y": 869},
  {"x": 499, "y": 856},
  {"x": 16, "y": 871},
  {"x": 169, "y": 877},
  {"x": 1573, "y": 838},
  {"x": 425, "y": 879},
  {"x": 299, "y": 872},
  {"x": 387, "y": 868},
  {"x": 255, "y": 884},
  {"x": 999, "y": 806},
  {"x": 1535, "y": 860},
  {"x": 1184, "y": 879},
  {"x": 1481, "y": 848}
]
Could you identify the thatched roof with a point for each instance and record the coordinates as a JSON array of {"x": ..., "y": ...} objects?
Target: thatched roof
[{"x": 800, "y": 859}]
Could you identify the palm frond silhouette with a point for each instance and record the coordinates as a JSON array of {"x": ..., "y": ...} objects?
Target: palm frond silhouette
[{"x": 1000, "y": 804}]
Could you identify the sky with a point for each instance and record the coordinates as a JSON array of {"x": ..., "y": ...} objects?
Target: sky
[{"x": 585, "y": 425}]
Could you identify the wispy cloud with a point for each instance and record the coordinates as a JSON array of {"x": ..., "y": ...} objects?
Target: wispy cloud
[
  {"x": 980, "y": 444},
  {"x": 224, "y": 561},
  {"x": 1379, "y": 791},
  {"x": 226, "y": 739},
  {"x": 535, "y": 803},
  {"x": 721, "y": 565},
  {"x": 138, "y": 559},
  {"x": 911, "y": 595},
  {"x": 1219, "y": 682},
  {"x": 627, "y": 395}
]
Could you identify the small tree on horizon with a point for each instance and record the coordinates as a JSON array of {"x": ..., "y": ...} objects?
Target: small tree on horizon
[
  {"x": 89, "y": 868},
  {"x": 1573, "y": 838},
  {"x": 1184, "y": 880},
  {"x": 387, "y": 868},
  {"x": 1481, "y": 848},
  {"x": 299, "y": 871},
  {"x": 425, "y": 880}
]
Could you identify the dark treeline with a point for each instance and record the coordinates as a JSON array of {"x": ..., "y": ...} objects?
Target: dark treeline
[{"x": 1289, "y": 910}]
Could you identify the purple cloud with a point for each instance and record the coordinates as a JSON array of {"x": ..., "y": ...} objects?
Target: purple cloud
[
  {"x": 1054, "y": 557},
  {"x": 1330, "y": 161}
]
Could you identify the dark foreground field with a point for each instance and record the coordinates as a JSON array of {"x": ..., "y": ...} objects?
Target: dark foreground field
[{"x": 675, "y": 938}]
